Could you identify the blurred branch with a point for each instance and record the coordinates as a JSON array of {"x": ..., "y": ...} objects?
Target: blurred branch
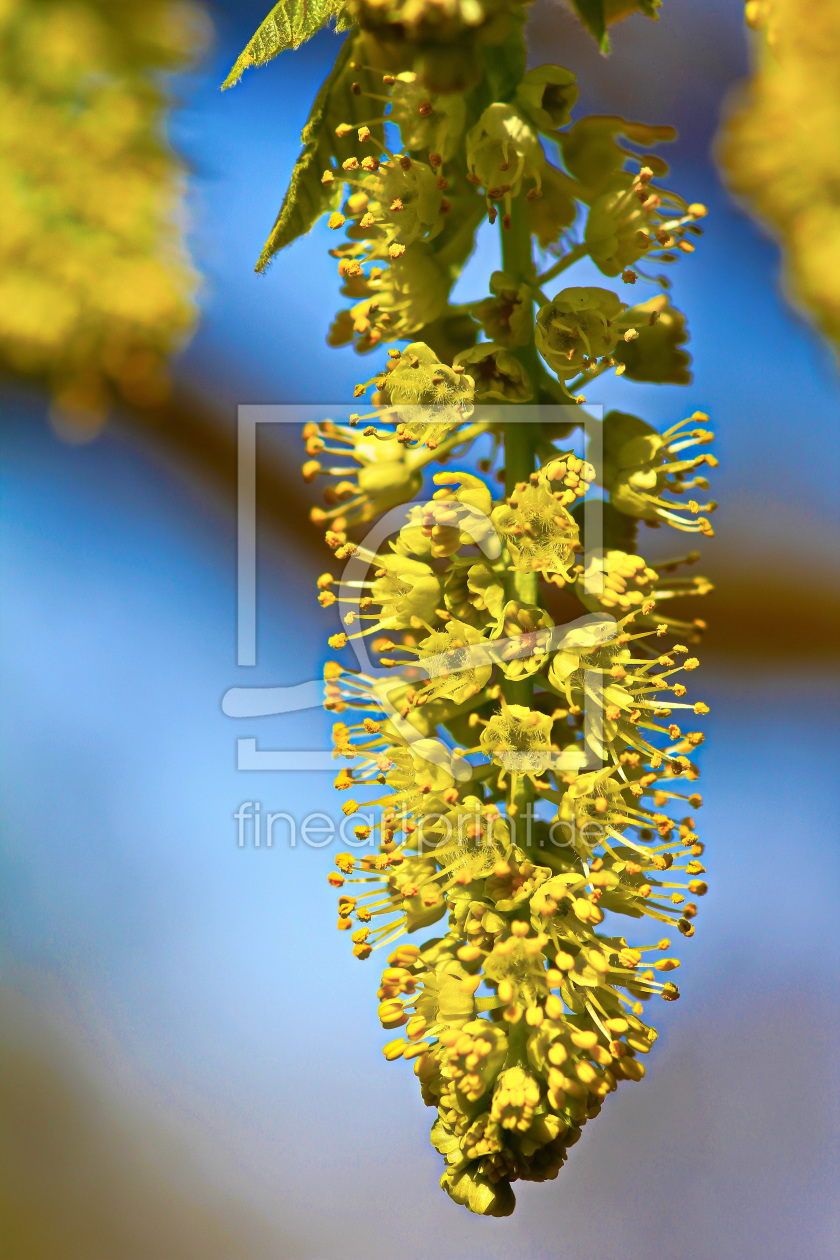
[
  {"x": 88, "y": 1177},
  {"x": 205, "y": 441},
  {"x": 755, "y": 616}
]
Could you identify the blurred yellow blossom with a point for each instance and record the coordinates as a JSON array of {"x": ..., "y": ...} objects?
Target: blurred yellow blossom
[
  {"x": 780, "y": 146},
  {"x": 95, "y": 286}
]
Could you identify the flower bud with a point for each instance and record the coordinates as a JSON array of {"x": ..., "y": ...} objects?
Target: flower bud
[
  {"x": 546, "y": 97},
  {"x": 506, "y": 317},
  {"x": 499, "y": 376},
  {"x": 503, "y": 149}
]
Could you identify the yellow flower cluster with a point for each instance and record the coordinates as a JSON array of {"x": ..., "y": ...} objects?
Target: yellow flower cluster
[{"x": 519, "y": 739}]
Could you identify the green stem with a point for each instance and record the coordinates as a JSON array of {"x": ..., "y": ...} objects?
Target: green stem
[
  {"x": 422, "y": 456},
  {"x": 520, "y": 458},
  {"x": 518, "y": 263},
  {"x": 579, "y": 251}
]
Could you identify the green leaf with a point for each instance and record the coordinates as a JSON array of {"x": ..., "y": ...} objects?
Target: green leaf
[
  {"x": 616, "y": 10},
  {"x": 598, "y": 15},
  {"x": 289, "y": 24},
  {"x": 591, "y": 13},
  {"x": 306, "y": 197}
]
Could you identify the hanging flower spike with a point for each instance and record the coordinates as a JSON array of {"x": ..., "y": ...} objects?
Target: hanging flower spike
[{"x": 514, "y": 785}]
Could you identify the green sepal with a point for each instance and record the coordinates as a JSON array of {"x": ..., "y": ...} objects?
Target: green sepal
[
  {"x": 289, "y": 24},
  {"x": 443, "y": 1139},
  {"x": 477, "y": 1193},
  {"x": 656, "y": 354}
]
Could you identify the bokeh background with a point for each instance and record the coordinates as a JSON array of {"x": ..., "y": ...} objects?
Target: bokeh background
[{"x": 191, "y": 1063}]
